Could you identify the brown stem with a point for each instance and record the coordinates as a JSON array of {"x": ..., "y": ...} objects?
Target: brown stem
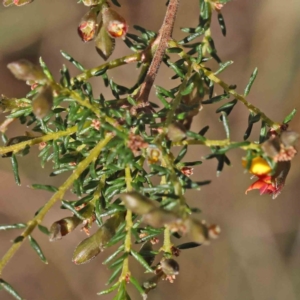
[{"x": 160, "y": 43}]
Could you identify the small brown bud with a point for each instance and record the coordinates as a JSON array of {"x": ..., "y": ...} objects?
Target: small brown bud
[
  {"x": 62, "y": 227},
  {"x": 137, "y": 203},
  {"x": 87, "y": 26},
  {"x": 114, "y": 24},
  {"x": 176, "y": 132},
  {"x": 105, "y": 44},
  {"x": 160, "y": 217},
  {"x": 42, "y": 102},
  {"x": 25, "y": 70}
]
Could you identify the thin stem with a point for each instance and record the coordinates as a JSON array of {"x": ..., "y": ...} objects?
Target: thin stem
[
  {"x": 239, "y": 97},
  {"x": 56, "y": 197},
  {"x": 45, "y": 138},
  {"x": 167, "y": 242},
  {"x": 128, "y": 220},
  {"x": 219, "y": 143},
  {"x": 161, "y": 44},
  {"x": 85, "y": 102},
  {"x": 215, "y": 79},
  {"x": 109, "y": 65}
]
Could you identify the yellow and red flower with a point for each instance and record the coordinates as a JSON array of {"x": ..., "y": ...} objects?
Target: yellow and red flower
[{"x": 267, "y": 182}]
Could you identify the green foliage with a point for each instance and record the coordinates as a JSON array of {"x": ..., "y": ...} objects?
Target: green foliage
[{"x": 115, "y": 149}]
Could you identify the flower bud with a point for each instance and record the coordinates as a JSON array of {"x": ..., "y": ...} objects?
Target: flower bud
[
  {"x": 62, "y": 227},
  {"x": 105, "y": 44},
  {"x": 153, "y": 154},
  {"x": 176, "y": 132},
  {"x": 197, "y": 231},
  {"x": 170, "y": 267},
  {"x": 87, "y": 26},
  {"x": 42, "y": 102},
  {"x": 93, "y": 245},
  {"x": 160, "y": 217},
  {"x": 25, "y": 70},
  {"x": 91, "y": 2},
  {"x": 88, "y": 248},
  {"x": 114, "y": 24},
  {"x": 137, "y": 203}
]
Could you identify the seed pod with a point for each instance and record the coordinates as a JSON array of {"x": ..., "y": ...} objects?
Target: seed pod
[
  {"x": 25, "y": 70},
  {"x": 137, "y": 203},
  {"x": 289, "y": 138},
  {"x": 114, "y": 24},
  {"x": 93, "y": 245},
  {"x": 176, "y": 132},
  {"x": 170, "y": 267},
  {"x": 146, "y": 252},
  {"x": 62, "y": 227},
  {"x": 88, "y": 25},
  {"x": 91, "y": 2},
  {"x": 42, "y": 102},
  {"x": 197, "y": 231},
  {"x": 160, "y": 217},
  {"x": 105, "y": 44}
]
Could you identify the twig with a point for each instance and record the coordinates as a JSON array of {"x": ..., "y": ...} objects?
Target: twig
[
  {"x": 127, "y": 243},
  {"x": 109, "y": 65},
  {"x": 45, "y": 138},
  {"x": 217, "y": 143},
  {"x": 161, "y": 44},
  {"x": 239, "y": 97},
  {"x": 56, "y": 197}
]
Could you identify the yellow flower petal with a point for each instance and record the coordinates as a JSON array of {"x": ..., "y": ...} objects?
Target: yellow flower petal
[{"x": 258, "y": 167}]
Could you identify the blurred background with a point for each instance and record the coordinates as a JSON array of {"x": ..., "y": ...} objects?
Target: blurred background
[{"x": 257, "y": 255}]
